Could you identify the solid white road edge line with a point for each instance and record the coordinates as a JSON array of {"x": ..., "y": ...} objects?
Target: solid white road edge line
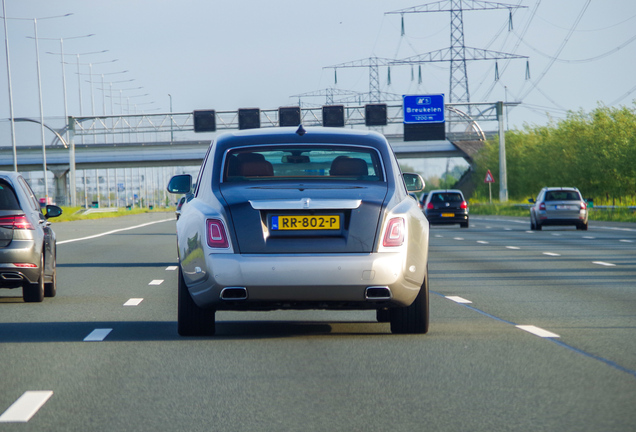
[
  {"x": 98, "y": 335},
  {"x": 133, "y": 302},
  {"x": 112, "y": 232},
  {"x": 537, "y": 331},
  {"x": 26, "y": 406},
  {"x": 457, "y": 299}
]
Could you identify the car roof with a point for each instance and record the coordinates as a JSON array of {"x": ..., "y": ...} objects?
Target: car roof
[
  {"x": 560, "y": 188},
  {"x": 310, "y": 135},
  {"x": 446, "y": 191}
]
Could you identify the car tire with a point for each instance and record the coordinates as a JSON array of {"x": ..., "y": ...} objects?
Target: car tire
[
  {"x": 414, "y": 318},
  {"x": 50, "y": 288},
  {"x": 464, "y": 225},
  {"x": 582, "y": 227},
  {"x": 191, "y": 319},
  {"x": 34, "y": 292}
]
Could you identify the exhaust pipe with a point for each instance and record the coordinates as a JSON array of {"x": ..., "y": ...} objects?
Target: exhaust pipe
[
  {"x": 11, "y": 277},
  {"x": 378, "y": 293},
  {"x": 234, "y": 293}
]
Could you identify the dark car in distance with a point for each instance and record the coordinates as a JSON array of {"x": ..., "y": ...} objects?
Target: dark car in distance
[
  {"x": 27, "y": 242},
  {"x": 294, "y": 218},
  {"x": 446, "y": 207}
]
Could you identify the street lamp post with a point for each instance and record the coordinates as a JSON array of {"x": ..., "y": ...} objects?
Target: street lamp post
[{"x": 6, "y": 45}]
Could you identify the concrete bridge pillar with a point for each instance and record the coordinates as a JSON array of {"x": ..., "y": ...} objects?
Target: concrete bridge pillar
[{"x": 61, "y": 186}]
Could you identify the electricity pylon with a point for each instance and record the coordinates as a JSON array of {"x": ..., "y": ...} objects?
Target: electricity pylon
[{"x": 458, "y": 53}]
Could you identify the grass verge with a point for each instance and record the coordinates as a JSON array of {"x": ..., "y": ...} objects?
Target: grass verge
[{"x": 75, "y": 213}]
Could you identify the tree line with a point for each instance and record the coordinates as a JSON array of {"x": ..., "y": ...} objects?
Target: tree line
[{"x": 595, "y": 152}]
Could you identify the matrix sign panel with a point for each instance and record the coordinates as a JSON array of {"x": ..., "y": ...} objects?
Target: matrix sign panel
[{"x": 423, "y": 108}]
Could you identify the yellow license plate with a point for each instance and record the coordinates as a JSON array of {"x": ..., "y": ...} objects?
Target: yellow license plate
[
  {"x": 448, "y": 214},
  {"x": 310, "y": 222}
]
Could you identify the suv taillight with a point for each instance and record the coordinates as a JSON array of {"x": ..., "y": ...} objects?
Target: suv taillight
[
  {"x": 15, "y": 222},
  {"x": 217, "y": 237},
  {"x": 583, "y": 205},
  {"x": 394, "y": 234},
  {"x": 542, "y": 206}
]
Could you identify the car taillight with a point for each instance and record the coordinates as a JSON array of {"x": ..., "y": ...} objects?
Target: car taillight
[
  {"x": 583, "y": 205},
  {"x": 25, "y": 265},
  {"x": 394, "y": 234},
  {"x": 15, "y": 222},
  {"x": 217, "y": 237},
  {"x": 430, "y": 206},
  {"x": 542, "y": 206},
  {"x": 463, "y": 205}
]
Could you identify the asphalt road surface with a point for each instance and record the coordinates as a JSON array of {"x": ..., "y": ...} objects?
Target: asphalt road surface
[{"x": 530, "y": 331}]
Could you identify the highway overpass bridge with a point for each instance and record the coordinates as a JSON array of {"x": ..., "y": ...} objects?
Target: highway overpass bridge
[{"x": 107, "y": 142}]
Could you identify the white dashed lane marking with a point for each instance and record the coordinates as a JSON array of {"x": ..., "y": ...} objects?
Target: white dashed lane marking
[
  {"x": 601, "y": 263},
  {"x": 482, "y": 242},
  {"x": 171, "y": 268},
  {"x": 98, "y": 335},
  {"x": 537, "y": 331},
  {"x": 457, "y": 299},
  {"x": 156, "y": 282},
  {"x": 133, "y": 302},
  {"x": 25, "y": 407},
  {"x": 513, "y": 247},
  {"x": 552, "y": 254}
]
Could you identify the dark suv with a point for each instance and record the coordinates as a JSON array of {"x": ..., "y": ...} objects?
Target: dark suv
[{"x": 446, "y": 207}]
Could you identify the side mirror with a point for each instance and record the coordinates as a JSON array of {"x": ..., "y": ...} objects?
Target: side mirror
[
  {"x": 180, "y": 184},
  {"x": 414, "y": 182},
  {"x": 52, "y": 211},
  {"x": 531, "y": 200}
]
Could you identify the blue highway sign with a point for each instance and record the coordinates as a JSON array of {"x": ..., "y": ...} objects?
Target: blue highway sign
[{"x": 423, "y": 108}]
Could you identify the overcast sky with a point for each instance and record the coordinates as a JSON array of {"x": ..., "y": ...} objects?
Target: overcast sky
[{"x": 232, "y": 54}]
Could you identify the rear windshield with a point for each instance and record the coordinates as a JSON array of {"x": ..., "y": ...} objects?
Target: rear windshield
[
  {"x": 8, "y": 200},
  {"x": 562, "y": 196},
  {"x": 447, "y": 197},
  {"x": 320, "y": 162}
]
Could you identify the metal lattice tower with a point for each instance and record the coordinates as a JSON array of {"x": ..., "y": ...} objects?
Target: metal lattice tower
[
  {"x": 373, "y": 63},
  {"x": 458, "y": 53}
]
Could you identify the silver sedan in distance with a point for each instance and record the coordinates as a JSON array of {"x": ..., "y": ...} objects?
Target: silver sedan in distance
[
  {"x": 27, "y": 242},
  {"x": 558, "y": 206},
  {"x": 294, "y": 218}
]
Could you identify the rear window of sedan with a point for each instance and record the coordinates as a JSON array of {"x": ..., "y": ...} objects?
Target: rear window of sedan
[
  {"x": 447, "y": 197},
  {"x": 562, "y": 196},
  {"x": 8, "y": 200},
  {"x": 319, "y": 162}
]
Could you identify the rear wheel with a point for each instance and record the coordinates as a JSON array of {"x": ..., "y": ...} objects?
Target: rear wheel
[
  {"x": 383, "y": 315},
  {"x": 582, "y": 226},
  {"x": 34, "y": 292},
  {"x": 464, "y": 225},
  {"x": 50, "y": 288},
  {"x": 413, "y": 318},
  {"x": 191, "y": 319}
]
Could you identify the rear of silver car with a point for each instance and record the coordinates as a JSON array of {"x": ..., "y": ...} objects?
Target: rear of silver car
[{"x": 318, "y": 231}]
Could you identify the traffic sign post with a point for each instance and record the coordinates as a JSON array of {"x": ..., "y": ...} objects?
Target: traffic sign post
[{"x": 490, "y": 180}]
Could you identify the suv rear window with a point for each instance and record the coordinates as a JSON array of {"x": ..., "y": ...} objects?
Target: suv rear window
[
  {"x": 8, "y": 200},
  {"x": 287, "y": 162}
]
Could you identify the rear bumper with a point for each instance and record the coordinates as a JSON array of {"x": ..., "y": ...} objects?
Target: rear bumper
[
  {"x": 305, "y": 281},
  {"x": 436, "y": 218},
  {"x": 569, "y": 219},
  {"x": 19, "y": 251}
]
